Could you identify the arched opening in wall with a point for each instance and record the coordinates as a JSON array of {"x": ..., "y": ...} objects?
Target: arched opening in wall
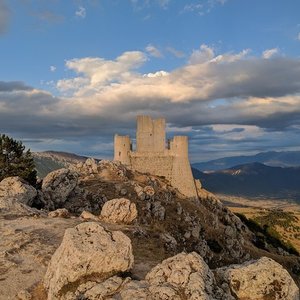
[{"x": 119, "y": 153}]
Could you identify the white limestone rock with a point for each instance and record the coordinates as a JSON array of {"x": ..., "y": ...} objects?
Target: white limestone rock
[
  {"x": 59, "y": 213},
  {"x": 149, "y": 190},
  {"x": 182, "y": 272},
  {"x": 104, "y": 289},
  {"x": 87, "y": 251},
  {"x": 135, "y": 290},
  {"x": 17, "y": 188},
  {"x": 120, "y": 210},
  {"x": 86, "y": 215},
  {"x": 259, "y": 280},
  {"x": 58, "y": 185}
]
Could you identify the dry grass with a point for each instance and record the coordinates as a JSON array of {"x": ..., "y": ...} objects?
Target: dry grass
[{"x": 254, "y": 208}]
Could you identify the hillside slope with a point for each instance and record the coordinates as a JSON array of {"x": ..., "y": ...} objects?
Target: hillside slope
[{"x": 49, "y": 161}]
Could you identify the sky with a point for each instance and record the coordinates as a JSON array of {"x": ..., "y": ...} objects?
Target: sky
[{"x": 224, "y": 72}]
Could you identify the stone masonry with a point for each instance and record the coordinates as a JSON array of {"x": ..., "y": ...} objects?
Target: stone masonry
[{"x": 153, "y": 156}]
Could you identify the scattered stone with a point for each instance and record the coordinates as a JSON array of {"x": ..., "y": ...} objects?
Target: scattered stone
[
  {"x": 259, "y": 280},
  {"x": 58, "y": 185},
  {"x": 169, "y": 241},
  {"x": 87, "y": 251},
  {"x": 149, "y": 190},
  {"x": 196, "y": 231},
  {"x": 86, "y": 215},
  {"x": 158, "y": 211},
  {"x": 17, "y": 188},
  {"x": 59, "y": 213},
  {"x": 104, "y": 289},
  {"x": 123, "y": 192},
  {"x": 119, "y": 211},
  {"x": 135, "y": 290},
  {"x": 187, "y": 273}
]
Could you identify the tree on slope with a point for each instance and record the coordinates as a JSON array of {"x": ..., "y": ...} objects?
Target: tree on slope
[{"x": 15, "y": 161}]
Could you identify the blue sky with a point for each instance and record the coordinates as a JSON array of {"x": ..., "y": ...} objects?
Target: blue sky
[{"x": 224, "y": 72}]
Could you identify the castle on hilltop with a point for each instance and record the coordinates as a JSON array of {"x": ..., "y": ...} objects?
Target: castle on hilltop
[{"x": 154, "y": 156}]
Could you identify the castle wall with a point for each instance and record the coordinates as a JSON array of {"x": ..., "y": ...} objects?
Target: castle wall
[
  {"x": 122, "y": 145},
  {"x": 160, "y": 165}
]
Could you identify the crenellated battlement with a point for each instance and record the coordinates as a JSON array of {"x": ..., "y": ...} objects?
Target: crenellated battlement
[{"x": 153, "y": 155}]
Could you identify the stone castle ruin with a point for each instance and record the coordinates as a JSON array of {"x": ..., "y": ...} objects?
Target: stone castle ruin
[{"x": 153, "y": 155}]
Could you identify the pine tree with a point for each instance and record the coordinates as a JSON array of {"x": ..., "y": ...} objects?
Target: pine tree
[{"x": 15, "y": 161}]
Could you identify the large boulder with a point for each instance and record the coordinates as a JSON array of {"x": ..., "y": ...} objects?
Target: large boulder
[
  {"x": 119, "y": 210},
  {"x": 87, "y": 252},
  {"x": 259, "y": 280},
  {"x": 17, "y": 188},
  {"x": 58, "y": 185},
  {"x": 182, "y": 273}
]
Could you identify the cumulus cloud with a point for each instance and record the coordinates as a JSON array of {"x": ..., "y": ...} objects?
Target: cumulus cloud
[
  {"x": 4, "y": 16},
  {"x": 153, "y": 51},
  {"x": 234, "y": 95},
  {"x": 98, "y": 73},
  {"x": 270, "y": 53},
  {"x": 80, "y": 12},
  {"x": 52, "y": 68}
]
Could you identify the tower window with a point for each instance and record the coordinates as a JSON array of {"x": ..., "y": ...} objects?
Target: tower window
[{"x": 119, "y": 153}]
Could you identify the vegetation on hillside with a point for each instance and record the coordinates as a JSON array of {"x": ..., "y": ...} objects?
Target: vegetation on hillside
[
  {"x": 15, "y": 161},
  {"x": 266, "y": 229}
]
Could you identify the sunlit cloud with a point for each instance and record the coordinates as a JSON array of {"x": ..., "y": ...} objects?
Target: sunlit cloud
[{"x": 270, "y": 53}]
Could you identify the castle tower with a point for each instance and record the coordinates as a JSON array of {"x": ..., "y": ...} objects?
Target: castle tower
[
  {"x": 150, "y": 134},
  {"x": 182, "y": 176},
  {"x": 179, "y": 146},
  {"x": 122, "y": 147}
]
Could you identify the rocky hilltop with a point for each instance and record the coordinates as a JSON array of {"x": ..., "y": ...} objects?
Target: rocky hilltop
[{"x": 102, "y": 231}]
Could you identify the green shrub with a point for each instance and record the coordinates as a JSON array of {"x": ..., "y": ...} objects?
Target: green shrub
[{"x": 15, "y": 161}]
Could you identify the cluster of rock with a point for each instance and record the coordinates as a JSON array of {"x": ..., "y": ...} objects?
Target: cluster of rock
[
  {"x": 100, "y": 259},
  {"x": 95, "y": 263}
]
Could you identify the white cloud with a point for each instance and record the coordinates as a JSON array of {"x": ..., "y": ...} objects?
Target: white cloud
[
  {"x": 270, "y": 53},
  {"x": 203, "y": 7},
  {"x": 175, "y": 52},
  {"x": 298, "y": 36},
  {"x": 156, "y": 74},
  {"x": 205, "y": 54},
  {"x": 80, "y": 12},
  {"x": 233, "y": 95},
  {"x": 153, "y": 51},
  {"x": 52, "y": 68},
  {"x": 98, "y": 73}
]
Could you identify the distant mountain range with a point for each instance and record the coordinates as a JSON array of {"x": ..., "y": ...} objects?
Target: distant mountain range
[
  {"x": 272, "y": 158},
  {"x": 253, "y": 180},
  {"x": 48, "y": 161}
]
